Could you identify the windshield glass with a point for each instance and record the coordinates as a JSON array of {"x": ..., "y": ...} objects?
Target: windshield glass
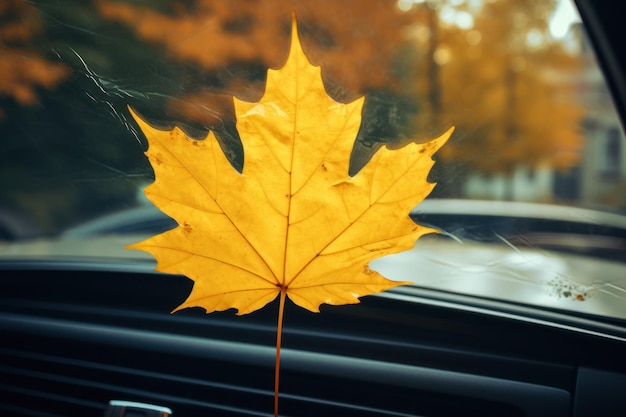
[{"x": 531, "y": 189}]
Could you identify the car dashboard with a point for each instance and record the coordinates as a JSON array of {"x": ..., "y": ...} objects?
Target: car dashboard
[{"x": 76, "y": 337}]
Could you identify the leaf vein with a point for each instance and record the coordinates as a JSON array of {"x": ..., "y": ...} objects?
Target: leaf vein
[
  {"x": 210, "y": 258},
  {"x": 214, "y": 198}
]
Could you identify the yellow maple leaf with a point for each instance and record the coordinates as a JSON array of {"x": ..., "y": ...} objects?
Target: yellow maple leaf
[{"x": 293, "y": 221}]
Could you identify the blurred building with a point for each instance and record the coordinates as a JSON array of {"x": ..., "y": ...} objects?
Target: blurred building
[
  {"x": 599, "y": 181},
  {"x": 602, "y": 170}
]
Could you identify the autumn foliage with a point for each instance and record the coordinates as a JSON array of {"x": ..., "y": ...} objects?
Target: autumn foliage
[
  {"x": 498, "y": 88},
  {"x": 354, "y": 41},
  {"x": 504, "y": 92},
  {"x": 505, "y": 85},
  {"x": 23, "y": 69}
]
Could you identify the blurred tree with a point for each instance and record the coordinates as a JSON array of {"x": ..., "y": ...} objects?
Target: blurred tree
[
  {"x": 75, "y": 155},
  {"x": 494, "y": 75},
  {"x": 229, "y": 45},
  {"x": 68, "y": 152},
  {"x": 503, "y": 81},
  {"x": 23, "y": 68}
]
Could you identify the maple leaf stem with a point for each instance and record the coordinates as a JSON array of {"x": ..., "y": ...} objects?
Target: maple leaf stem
[{"x": 279, "y": 333}]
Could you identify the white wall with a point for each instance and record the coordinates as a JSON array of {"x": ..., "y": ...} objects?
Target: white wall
[{"x": 524, "y": 184}]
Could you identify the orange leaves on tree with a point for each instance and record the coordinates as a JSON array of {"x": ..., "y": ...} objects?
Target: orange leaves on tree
[
  {"x": 342, "y": 36},
  {"x": 292, "y": 223},
  {"x": 22, "y": 69},
  {"x": 524, "y": 100}
]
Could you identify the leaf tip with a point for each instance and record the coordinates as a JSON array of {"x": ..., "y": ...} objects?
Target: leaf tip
[
  {"x": 132, "y": 247},
  {"x": 296, "y": 52},
  {"x": 442, "y": 139},
  {"x": 143, "y": 124},
  {"x": 133, "y": 112},
  {"x": 294, "y": 29},
  {"x": 293, "y": 21}
]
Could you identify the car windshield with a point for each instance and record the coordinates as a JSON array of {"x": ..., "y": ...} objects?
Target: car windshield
[{"x": 531, "y": 188}]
